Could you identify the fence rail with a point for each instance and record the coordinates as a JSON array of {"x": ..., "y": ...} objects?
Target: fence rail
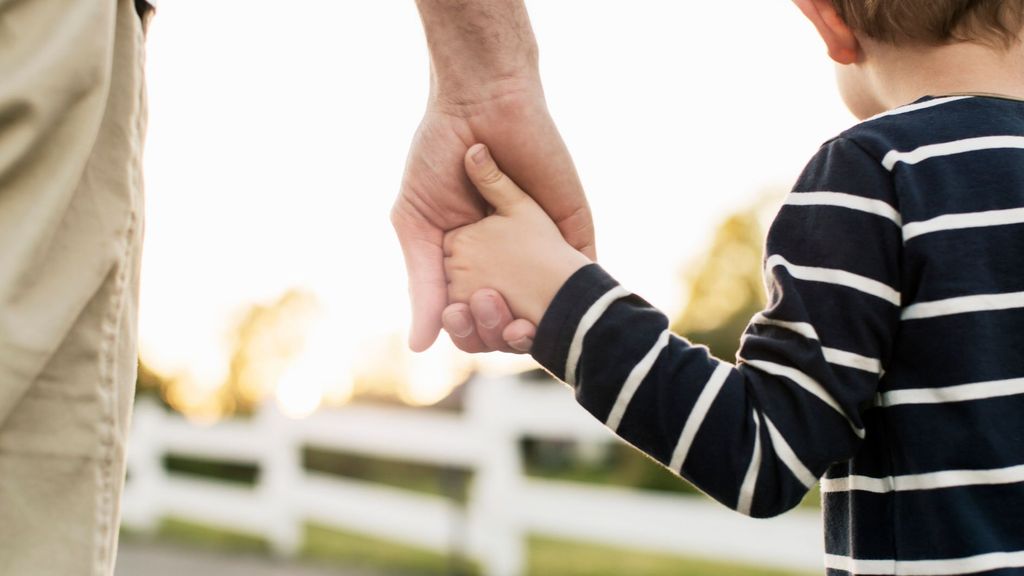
[{"x": 503, "y": 506}]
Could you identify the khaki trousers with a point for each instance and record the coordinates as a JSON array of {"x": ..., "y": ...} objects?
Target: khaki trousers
[{"x": 72, "y": 121}]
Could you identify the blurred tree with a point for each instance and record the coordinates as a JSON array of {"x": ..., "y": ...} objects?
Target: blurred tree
[
  {"x": 382, "y": 370},
  {"x": 266, "y": 339},
  {"x": 149, "y": 383},
  {"x": 727, "y": 288}
]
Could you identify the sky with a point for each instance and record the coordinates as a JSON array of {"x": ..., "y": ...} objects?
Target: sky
[{"x": 278, "y": 133}]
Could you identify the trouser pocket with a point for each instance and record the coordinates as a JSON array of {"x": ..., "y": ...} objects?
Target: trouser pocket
[{"x": 145, "y": 12}]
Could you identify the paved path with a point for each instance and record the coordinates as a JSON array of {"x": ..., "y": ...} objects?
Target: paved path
[{"x": 153, "y": 559}]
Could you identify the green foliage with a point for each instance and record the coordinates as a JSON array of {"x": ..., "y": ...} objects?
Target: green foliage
[
  {"x": 727, "y": 288},
  {"x": 149, "y": 383},
  {"x": 232, "y": 472},
  {"x": 264, "y": 342},
  {"x": 447, "y": 481},
  {"x": 619, "y": 465}
]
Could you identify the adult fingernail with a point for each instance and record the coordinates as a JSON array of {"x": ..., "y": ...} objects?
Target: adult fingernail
[
  {"x": 487, "y": 313},
  {"x": 481, "y": 155},
  {"x": 522, "y": 345},
  {"x": 458, "y": 324}
]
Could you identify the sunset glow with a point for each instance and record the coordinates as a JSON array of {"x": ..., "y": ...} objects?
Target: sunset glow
[{"x": 278, "y": 136}]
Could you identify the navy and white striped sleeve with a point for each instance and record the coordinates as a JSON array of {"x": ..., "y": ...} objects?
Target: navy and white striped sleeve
[{"x": 754, "y": 436}]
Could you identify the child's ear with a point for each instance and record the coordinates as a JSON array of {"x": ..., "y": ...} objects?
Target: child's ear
[{"x": 842, "y": 43}]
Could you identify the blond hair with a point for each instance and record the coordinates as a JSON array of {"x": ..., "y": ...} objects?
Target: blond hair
[{"x": 936, "y": 21}]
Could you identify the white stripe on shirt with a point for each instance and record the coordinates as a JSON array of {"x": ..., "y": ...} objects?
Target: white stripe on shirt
[
  {"x": 918, "y": 106},
  {"x": 949, "y": 567},
  {"x": 843, "y": 200},
  {"x": 788, "y": 456},
  {"x": 700, "y": 411},
  {"x": 593, "y": 314},
  {"x": 950, "y": 148},
  {"x": 851, "y": 360},
  {"x": 745, "y": 501},
  {"x": 963, "y": 305},
  {"x": 633, "y": 381},
  {"x": 965, "y": 220},
  {"x": 838, "y": 277},
  {"x": 832, "y": 355},
  {"x": 949, "y": 394},
  {"x": 927, "y": 481},
  {"x": 807, "y": 383},
  {"x": 802, "y": 328}
]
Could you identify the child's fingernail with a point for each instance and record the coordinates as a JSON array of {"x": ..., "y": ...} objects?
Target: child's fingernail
[
  {"x": 458, "y": 324},
  {"x": 481, "y": 155},
  {"x": 487, "y": 313},
  {"x": 522, "y": 345}
]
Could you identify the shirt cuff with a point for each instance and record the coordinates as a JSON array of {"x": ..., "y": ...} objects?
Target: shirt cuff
[{"x": 558, "y": 326}]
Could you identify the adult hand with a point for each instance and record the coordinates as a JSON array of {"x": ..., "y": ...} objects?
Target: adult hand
[{"x": 511, "y": 117}]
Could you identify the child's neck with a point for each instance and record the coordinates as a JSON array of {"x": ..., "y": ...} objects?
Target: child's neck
[{"x": 901, "y": 75}]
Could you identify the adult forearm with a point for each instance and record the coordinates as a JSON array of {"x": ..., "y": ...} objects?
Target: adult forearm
[{"x": 478, "y": 47}]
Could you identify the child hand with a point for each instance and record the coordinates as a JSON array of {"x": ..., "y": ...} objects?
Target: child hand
[{"x": 517, "y": 250}]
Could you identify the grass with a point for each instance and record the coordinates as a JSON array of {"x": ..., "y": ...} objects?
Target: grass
[
  {"x": 211, "y": 538},
  {"x": 341, "y": 548},
  {"x": 566, "y": 558},
  {"x": 546, "y": 556},
  {"x": 322, "y": 546}
]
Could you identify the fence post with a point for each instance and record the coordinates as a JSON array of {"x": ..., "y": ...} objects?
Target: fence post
[
  {"x": 141, "y": 506},
  {"x": 280, "y": 475},
  {"x": 495, "y": 530}
]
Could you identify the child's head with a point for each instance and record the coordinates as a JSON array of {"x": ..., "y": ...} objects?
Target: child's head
[
  {"x": 935, "y": 22},
  {"x": 861, "y": 35}
]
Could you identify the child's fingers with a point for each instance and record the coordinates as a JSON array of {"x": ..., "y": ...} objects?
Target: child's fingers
[
  {"x": 519, "y": 335},
  {"x": 497, "y": 189},
  {"x": 458, "y": 322},
  {"x": 492, "y": 314}
]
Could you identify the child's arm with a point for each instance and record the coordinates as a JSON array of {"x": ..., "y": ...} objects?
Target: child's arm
[{"x": 755, "y": 436}]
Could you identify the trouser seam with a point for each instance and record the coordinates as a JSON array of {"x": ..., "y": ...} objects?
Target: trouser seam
[
  {"x": 109, "y": 395},
  {"x": 106, "y": 506}
]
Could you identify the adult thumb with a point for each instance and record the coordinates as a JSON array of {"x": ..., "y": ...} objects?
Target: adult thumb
[
  {"x": 497, "y": 189},
  {"x": 424, "y": 261}
]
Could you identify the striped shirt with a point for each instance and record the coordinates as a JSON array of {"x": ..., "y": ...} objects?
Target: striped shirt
[{"x": 889, "y": 362}]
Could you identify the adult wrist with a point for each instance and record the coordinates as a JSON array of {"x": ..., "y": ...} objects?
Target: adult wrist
[
  {"x": 479, "y": 48},
  {"x": 463, "y": 88}
]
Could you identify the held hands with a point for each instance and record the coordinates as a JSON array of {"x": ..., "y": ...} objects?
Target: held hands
[
  {"x": 436, "y": 197},
  {"x": 517, "y": 250},
  {"x": 484, "y": 87}
]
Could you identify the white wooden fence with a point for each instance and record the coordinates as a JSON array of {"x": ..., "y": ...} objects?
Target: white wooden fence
[{"x": 503, "y": 507}]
